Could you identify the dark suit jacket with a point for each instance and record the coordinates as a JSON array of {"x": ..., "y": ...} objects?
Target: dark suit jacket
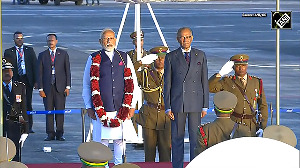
[
  {"x": 30, "y": 63},
  {"x": 62, "y": 70},
  {"x": 18, "y": 88},
  {"x": 186, "y": 87}
]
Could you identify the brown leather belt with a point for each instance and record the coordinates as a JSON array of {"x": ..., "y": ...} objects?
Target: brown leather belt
[
  {"x": 242, "y": 116},
  {"x": 155, "y": 105}
]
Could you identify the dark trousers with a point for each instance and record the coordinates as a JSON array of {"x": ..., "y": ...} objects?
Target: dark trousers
[
  {"x": 13, "y": 131},
  {"x": 177, "y": 136},
  {"x": 29, "y": 90},
  {"x": 159, "y": 138},
  {"x": 54, "y": 101}
]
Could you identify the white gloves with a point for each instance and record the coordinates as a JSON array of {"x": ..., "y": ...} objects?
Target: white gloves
[
  {"x": 22, "y": 139},
  {"x": 148, "y": 59},
  {"x": 227, "y": 68},
  {"x": 259, "y": 132}
]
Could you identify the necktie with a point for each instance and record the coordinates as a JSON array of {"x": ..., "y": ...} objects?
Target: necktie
[
  {"x": 244, "y": 82},
  {"x": 53, "y": 68},
  {"x": 7, "y": 91},
  {"x": 187, "y": 57},
  {"x": 20, "y": 70}
]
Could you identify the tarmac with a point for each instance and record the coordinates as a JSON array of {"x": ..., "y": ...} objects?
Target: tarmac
[{"x": 218, "y": 28}]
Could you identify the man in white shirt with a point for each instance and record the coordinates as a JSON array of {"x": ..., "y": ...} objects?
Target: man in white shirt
[{"x": 109, "y": 92}]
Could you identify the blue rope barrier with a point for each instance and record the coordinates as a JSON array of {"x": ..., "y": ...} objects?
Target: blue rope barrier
[
  {"x": 66, "y": 111},
  {"x": 76, "y": 111}
]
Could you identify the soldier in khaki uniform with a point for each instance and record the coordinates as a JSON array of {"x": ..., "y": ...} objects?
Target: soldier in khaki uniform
[
  {"x": 137, "y": 64},
  {"x": 132, "y": 53},
  {"x": 156, "y": 125},
  {"x": 94, "y": 154},
  {"x": 222, "y": 128},
  {"x": 248, "y": 90}
]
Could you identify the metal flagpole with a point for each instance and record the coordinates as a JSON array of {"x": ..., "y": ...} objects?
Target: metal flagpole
[
  {"x": 157, "y": 25},
  {"x": 277, "y": 70},
  {"x": 1, "y": 91},
  {"x": 122, "y": 24},
  {"x": 138, "y": 30}
]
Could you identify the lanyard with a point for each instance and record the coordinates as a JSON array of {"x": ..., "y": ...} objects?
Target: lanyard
[{"x": 20, "y": 53}]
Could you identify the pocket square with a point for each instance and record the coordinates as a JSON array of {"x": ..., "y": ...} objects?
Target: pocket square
[
  {"x": 199, "y": 63},
  {"x": 121, "y": 63}
]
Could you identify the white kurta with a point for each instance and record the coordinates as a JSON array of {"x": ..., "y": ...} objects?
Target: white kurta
[{"x": 99, "y": 131}]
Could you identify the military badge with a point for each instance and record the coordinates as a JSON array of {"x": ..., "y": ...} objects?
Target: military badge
[{"x": 18, "y": 99}]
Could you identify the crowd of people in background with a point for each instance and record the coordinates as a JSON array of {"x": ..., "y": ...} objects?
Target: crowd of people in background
[{"x": 174, "y": 86}]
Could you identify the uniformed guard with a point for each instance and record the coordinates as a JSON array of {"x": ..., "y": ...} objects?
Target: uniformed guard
[
  {"x": 126, "y": 165},
  {"x": 281, "y": 133},
  {"x": 94, "y": 154},
  {"x": 12, "y": 164},
  {"x": 7, "y": 149},
  {"x": 251, "y": 109},
  {"x": 137, "y": 64},
  {"x": 222, "y": 128},
  {"x": 156, "y": 125},
  {"x": 14, "y": 109},
  {"x": 133, "y": 53}
]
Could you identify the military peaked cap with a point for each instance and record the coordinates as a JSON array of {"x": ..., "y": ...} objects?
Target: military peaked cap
[
  {"x": 160, "y": 51},
  {"x": 94, "y": 154},
  {"x": 7, "y": 149},
  {"x": 12, "y": 164},
  {"x": 224, "y": 101},
  {"x": 6, "y": 64},
  {"x": 280, "y": 133},
  {"x": 240, "y": 59},
  {"x": 133, "y": 35}
]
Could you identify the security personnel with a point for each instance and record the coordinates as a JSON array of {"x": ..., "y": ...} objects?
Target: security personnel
[
  {"x": 12, "y": 164},
  {"x": 248, "y": 90},
  {"x": 126, "y": 165},
  {"x": 94, "y": 154},
  {"x": 156, "y": 125},
  {"x": 7, "y": 149},
  {"x": 14, "y": 108},
  {"x": 137, "y": 64},
  {"x": 222, "y": 128},
  {"x": 133, "y": 53}
]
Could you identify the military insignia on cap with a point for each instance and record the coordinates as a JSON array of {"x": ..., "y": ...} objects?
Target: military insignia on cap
[{"x": 161, "y": 51}]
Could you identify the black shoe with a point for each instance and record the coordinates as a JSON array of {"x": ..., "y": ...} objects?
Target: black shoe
[
  {"x": 31, "y": 131},
  {"x": 49, "y": 138},
  {"x": 61, "y": 138}
]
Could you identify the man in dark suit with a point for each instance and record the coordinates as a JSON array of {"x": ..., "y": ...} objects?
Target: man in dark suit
[
  {"x": 24, "y": 60},
  {"x": 15, "y": 118},
  {"x": 54, "y": 82},
  {"x": 185, "y": 93}
]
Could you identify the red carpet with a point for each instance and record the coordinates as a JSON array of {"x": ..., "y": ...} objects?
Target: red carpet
[{"x": 78, "y": 165}]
